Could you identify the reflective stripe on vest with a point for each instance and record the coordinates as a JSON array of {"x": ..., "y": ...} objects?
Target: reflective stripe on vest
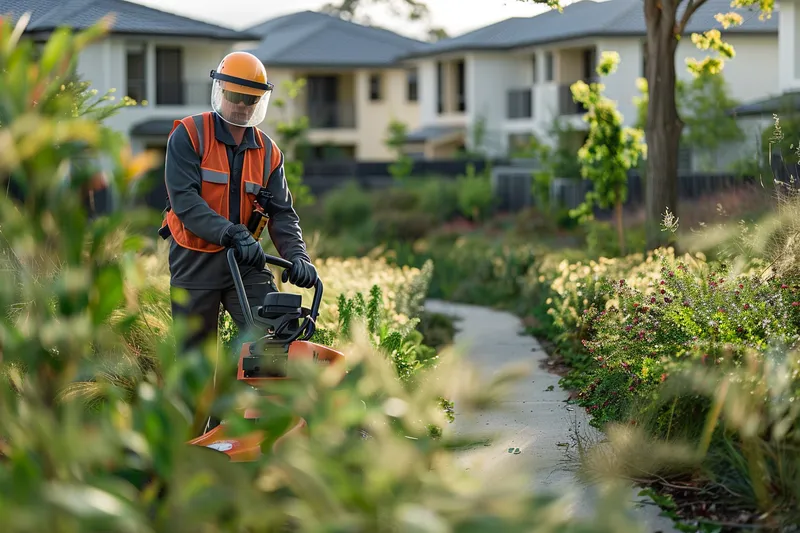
[{"x": 214, "y": 173}]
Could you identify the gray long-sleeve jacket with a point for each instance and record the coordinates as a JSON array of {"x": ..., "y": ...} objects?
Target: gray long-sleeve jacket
[{"x": 198, "y": 270}]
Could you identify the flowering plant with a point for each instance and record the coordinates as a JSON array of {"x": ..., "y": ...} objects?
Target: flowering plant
[{"x": 694, "y": 313}]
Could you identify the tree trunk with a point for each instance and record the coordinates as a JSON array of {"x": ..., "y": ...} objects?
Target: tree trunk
[
  {"x": 664, "y": 126},
  {"x": 620, "y": 228}
]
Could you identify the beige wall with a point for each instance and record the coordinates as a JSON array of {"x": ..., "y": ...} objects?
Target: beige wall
[
  {"x": 372, "y": 118},
  {"x": 275, "y": 113}
]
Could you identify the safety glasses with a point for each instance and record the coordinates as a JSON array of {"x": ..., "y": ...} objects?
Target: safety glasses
[{"x": 235, "y": 98}]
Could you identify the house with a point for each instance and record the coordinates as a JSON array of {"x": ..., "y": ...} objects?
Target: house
[
  {"x": 159, "y": 59},
  {"x": 355, "y": 84},
  {"x": 492, "y": 88},
  {"x": 786, "y": 94},
  {"x": 756, "y": 116}
]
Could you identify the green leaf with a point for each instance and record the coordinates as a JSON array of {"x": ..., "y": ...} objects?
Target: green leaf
[
  {"x": 56, "y": 49},
  {"x": 92, "y": 503},
  {"x": 108, "y": 292}
]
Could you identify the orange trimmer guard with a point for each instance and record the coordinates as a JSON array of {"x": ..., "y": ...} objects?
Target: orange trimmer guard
[
  {"x": 249, "y": 447},
  {"x": 243, "y": 448},
  {"x": 298, "y": 351}
]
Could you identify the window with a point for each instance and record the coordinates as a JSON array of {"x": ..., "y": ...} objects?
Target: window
[
  {"x": 644, "y": 60},
  {"x": 375, "y": 87},
  {"x": 136, "y": 78},
  {"x": 412, "y": 86},
  {"x": 535, "y": 66},
  {"x": 169, "y": 76},
  {"x": 589, "y": 64},
  {"x": 439, "y": 87},
  {"x": 460, "y": 84},
  {"x": 548, "y": 66}
]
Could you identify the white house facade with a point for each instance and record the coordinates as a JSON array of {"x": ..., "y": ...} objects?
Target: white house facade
[
  {"x": 789, "y": 45},
  {"x": 160, "y": 59},
  {"x": 497, "y": 85},
  {"x": 168, "y": 77}
]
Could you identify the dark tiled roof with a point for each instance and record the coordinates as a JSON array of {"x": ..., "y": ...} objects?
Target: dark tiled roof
[
  {"x": 589, "y": 18},
  {"x": 782, "y": 103},
  {"x": 131, "y": 18},
  {"x": 310, "y": 38}
]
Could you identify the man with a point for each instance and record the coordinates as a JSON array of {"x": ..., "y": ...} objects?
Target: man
[{"x": 216, "y": 164}]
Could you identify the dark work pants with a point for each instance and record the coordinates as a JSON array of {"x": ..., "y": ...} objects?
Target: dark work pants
[
  {"x": 203, "y": 307},
  {"x": 204, "y": 304}
]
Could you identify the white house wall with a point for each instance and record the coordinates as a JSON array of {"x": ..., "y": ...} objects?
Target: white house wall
[
  {"x": 621, "y": 85},
  {"x": 789, "y": 48},
  {"x": 750, "y": 75},
  {"x": 426, "y": 86},
  {"x": 489, "y": 78},
  {"x": 104, "y": 65}
]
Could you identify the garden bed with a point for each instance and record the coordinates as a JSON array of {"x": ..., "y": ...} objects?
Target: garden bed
[{"x": 650, "y": 343}]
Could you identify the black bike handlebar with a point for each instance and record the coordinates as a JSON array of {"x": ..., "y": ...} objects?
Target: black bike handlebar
[{"x": 309, "y": 324}]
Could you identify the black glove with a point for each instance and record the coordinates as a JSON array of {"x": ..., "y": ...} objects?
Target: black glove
[
  {"x": 248, "y": 250},
  {"x": 302, "y": 274}
]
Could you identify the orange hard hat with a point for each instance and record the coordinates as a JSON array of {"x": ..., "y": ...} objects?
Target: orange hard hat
[
  {"x": 240, "y": 92},
  {"x": 242, "y": 72}
]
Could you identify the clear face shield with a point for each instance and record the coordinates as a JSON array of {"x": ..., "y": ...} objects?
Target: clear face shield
[{"x": 238, "y": 101}]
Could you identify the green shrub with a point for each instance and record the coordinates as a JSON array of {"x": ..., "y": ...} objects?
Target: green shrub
[
  {"x": 402, "y": 226},
  {"x": 541, "y": 183},
  {"x": 437, "y": 197},
  {"x": 711, "y": 315},
  {"x": 437, "y": 329},
  {"x": 394, "y": 199},
  {"x": 346, "y": 208},
  {"x": 475, "y": 196}
]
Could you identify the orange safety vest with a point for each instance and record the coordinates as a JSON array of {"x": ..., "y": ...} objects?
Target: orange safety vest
[{"x": 214, "y": 169}]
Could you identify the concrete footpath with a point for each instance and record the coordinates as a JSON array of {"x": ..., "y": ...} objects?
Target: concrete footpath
[{"x": 536, "y": 422}]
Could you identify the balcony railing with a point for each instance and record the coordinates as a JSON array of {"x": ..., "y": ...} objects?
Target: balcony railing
[
  {"x": 331, "y": 115},
  {"x": 191, "y": 93},
  {"x": 519, "y": 103}
]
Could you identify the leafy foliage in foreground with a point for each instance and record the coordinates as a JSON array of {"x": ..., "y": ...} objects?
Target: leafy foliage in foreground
[{"x": 78, "y": 297}]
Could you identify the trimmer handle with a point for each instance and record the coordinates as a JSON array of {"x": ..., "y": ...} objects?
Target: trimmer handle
[{"x": 309, "y": 324}]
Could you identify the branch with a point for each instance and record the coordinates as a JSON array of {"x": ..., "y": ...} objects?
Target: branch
[{"x": 693, "y": 6}]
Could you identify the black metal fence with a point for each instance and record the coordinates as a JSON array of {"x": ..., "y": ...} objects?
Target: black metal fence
[
  {"x": 569, "y": 193},
  {"x": 322, "y": 177}
]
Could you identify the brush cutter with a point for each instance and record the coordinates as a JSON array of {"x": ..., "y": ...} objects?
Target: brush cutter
[{"x": 287, "y": 327}]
